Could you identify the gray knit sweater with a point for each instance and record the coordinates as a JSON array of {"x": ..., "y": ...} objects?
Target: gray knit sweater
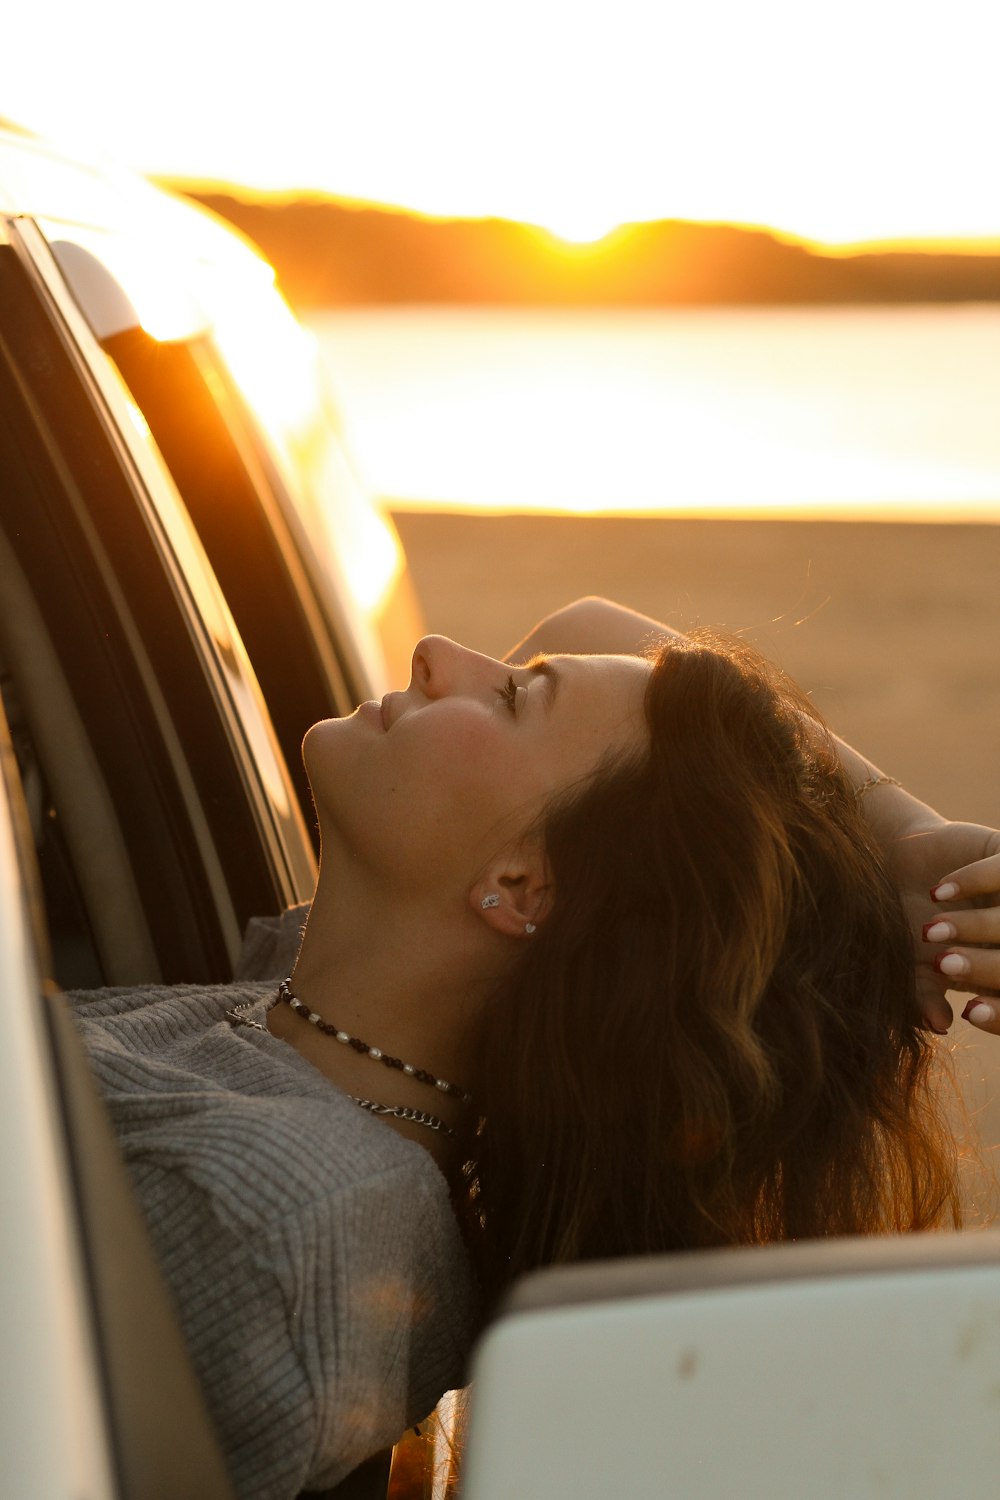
[{"x": 312, "y": 1253}]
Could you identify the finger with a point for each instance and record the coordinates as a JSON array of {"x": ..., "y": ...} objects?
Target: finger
[
  {"x": 977, "y": 879},
  {"x": 936, "y": 1011},
  {"x": 969, "y": 968},
  {"x": 979, "y": 924},
  {"x": 984, "y": 1014}
]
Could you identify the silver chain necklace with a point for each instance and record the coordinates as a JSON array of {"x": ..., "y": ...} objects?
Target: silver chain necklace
[
  {"x": 404, "y": 1112},
  {"x": 239, "y": 1015}
]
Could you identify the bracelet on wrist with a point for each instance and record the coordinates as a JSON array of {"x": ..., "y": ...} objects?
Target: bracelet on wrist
[{"x": 874, "y": 781}]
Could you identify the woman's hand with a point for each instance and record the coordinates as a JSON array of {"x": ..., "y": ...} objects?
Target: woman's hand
[
  {"x": 916, "y": 861},
  {"x": 965, "y": 951}
]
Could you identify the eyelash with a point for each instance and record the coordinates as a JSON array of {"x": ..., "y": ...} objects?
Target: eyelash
[{"x": 509, "y": 694}]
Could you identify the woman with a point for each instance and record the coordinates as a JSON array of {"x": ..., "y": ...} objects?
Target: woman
[{"x": 605, "y": 956}]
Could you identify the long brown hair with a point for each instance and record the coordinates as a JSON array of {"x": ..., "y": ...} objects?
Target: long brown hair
[{"x": 714, "y": 1038}]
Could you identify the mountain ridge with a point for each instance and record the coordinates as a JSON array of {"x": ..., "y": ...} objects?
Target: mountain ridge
[{"x": 328, "y": 254}]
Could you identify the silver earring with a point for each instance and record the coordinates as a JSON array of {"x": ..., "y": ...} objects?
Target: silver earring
[
  {"x": 529, "y": 927},
  {"x": 489, "y": 901}
]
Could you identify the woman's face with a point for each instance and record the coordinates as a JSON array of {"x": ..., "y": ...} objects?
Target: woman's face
[{"x": 433, "y": 782}]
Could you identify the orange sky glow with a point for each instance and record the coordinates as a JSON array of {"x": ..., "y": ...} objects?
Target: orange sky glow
[{"x": 871, "y": 121}]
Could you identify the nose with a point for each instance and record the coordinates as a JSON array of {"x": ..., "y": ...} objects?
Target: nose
[{"x": 441, "y": 666}]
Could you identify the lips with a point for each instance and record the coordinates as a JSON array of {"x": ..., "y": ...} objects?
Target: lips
[{"x": 391, "y": 708}]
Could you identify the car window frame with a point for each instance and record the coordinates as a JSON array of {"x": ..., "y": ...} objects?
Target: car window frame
[{"x": 236, "y": 708}]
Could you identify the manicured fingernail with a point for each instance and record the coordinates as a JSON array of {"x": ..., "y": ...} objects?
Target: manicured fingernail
[
  {"x": 938, "y": 932},
  {"x": 947, "y": 891},
  {"x": 978, "y": 1013},
  {"x": 940, "y": 1030},
  {"x": 952, "y": 964}
]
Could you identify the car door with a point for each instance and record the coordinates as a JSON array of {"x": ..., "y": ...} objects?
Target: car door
[{"x": 98, "y": 1398}]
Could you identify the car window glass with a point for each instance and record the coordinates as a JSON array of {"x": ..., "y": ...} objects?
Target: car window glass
[
  {"x": 236, "y": 482},
  {"x": 133, "y": 691},
  {"x": 270, "y": 364}
]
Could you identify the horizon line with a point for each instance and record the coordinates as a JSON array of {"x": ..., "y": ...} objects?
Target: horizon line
[{"x": 926, "y": 244}]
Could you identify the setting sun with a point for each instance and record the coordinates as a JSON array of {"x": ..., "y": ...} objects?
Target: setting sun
[{"x": 580, "y": 226}]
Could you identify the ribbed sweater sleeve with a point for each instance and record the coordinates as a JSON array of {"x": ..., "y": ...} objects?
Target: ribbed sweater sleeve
[{"x": 312, "y": 1254}]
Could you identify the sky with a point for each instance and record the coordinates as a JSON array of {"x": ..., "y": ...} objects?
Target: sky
[{"x": 852, "y": 121}]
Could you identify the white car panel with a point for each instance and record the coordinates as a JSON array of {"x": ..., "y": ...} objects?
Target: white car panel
[{"x": 851, "y": 1370}]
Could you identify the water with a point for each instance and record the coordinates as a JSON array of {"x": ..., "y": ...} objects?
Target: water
[{"x": 845, "y": 412}]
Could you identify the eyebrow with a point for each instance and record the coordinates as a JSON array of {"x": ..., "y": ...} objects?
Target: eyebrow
[{"x": 544, "y": 668}]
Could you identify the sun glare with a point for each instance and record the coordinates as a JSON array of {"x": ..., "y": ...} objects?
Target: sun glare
[
  {"x": 583, "y": 225},
  {"x": 832, "y": 412},
  {"x": 716, "y": 112},
  {"x": 274, "y": 360}
]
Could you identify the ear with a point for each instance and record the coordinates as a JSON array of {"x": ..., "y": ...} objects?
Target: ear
[{"x": 516, "y": 889}]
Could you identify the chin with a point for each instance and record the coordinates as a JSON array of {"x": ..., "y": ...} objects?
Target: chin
[{"x": 316, "y": 738}]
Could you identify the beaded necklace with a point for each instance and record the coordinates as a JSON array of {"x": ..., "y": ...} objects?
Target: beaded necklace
[
  {"x": 286, "y": 993},
  {"x": 239, "y": 1016}
]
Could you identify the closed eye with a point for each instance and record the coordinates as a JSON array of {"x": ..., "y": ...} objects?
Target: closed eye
[{"x": 508, "y": 693}]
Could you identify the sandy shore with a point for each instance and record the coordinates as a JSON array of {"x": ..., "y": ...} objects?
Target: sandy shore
[{"x": 893, "y": 628}]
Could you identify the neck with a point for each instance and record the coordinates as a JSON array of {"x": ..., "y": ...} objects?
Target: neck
[{"x": 402, "y": 977}]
